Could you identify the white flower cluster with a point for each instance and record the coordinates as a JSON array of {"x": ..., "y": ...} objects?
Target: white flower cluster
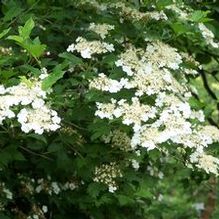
[
  {"x": 185, "y": 13},
  {"x": 34, "y": 114},
  {"x": 129, "y": 12},
  {"x": 138, "y": 63},
  {"x": 41, "y": 120},
  {"x": 47, "y": 185},
  {"x": 206, "y": 162},
  {"x": 54, "y": 188},
  {"x": 107, "y": 173},
  {"x": 6, "y": 51},
  {"x": 181, "y": 10},
  {"x": 131, "y": 114},
  {"x": 162, "y": 55},
  {"x": 37, "y": 212},
  {"x": 89, "y": 48},
  {"x": 208, "y": 35},
  {"x": 167, "y": 119},
  {"x": 125, "y": 11},
  {"x": 101, "y": 29},
  {"x": 102, "y": 82}
]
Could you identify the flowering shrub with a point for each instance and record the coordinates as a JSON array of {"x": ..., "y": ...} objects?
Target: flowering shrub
[{"x": 109, "y": 109}]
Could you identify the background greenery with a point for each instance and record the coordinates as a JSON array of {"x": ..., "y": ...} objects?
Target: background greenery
[{"x": 72, "y": 153}]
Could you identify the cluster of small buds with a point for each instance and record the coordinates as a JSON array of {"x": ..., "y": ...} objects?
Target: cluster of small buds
[
  {"x": 89, "y": 48},
  {"x": 35, "y": 114},
  {"x": 107, "y": 174},
  {"x": 6, "y": 51},
  {"x": 27, "y": 184},
  {"x": 121, "y": 140},
  {"x": 73, "y": 133},
  {"x": 101, "y": 29},
  {"x": 118, "y": 139}
]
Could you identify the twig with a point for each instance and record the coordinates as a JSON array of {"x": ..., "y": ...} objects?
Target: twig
[{"x": 36, "y": 154}]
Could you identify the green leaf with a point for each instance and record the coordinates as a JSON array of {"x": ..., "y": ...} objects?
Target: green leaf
[
  {"x": 3, "y": 216},
  {"x": 35, "y": 50},
  {"x": 12, "y": 12},
  {"x": 74, "y": 59},
  {"x": 94, "y": 189},
  {"x": 37, "y": 137},
  {"x": 180, "y": 28},
  {"x": 199, "y": 16},
  {"x": 10, "y": 154},
  {"x": 24, "y": 80},
  {"x": 25, "y": 31},
  {"x": 124, "y": 200},
  {"x": 34, "y": 47},
  {"x": 16, "y": 38},
  {"x": 53, "y": 77},
  {"x": 4, "y": 32}
]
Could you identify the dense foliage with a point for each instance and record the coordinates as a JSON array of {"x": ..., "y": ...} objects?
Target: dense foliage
[{"x": 109, "y": 109}]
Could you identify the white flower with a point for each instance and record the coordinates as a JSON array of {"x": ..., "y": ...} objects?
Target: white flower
[
  {"x": 199, "y": 206},
  {"x": 86, "y": 53},
  {"x": 109, "y": 47},
  {"x": 55, "y": 188},
  {"x": 2, "y": 89},
  {"x": 71, "y": 48},
  {"x": 44, "y": 73},
  {"x": 38, "y": 103},
  {"x": 101, "y": 29},
  {"x": 208, "y": 35},
  {"x": 39, "y": 119},
  {"x": 44, "y": 208},
  {"x": 89, "y": 48},
  {"x": 128, "y": 70},
  {"x": 8, "y": 193},
  {"x": 135, "y": 164},
  {"x": 112, "y": 189}
]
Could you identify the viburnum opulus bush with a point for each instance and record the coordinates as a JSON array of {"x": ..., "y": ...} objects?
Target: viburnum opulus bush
[{"x": 109, "y": 109}]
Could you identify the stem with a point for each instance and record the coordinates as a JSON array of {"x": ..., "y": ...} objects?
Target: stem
[{"x": 34, "y": 153}]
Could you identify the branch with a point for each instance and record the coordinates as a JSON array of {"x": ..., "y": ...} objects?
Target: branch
[{"x": 211, "y": 201}]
